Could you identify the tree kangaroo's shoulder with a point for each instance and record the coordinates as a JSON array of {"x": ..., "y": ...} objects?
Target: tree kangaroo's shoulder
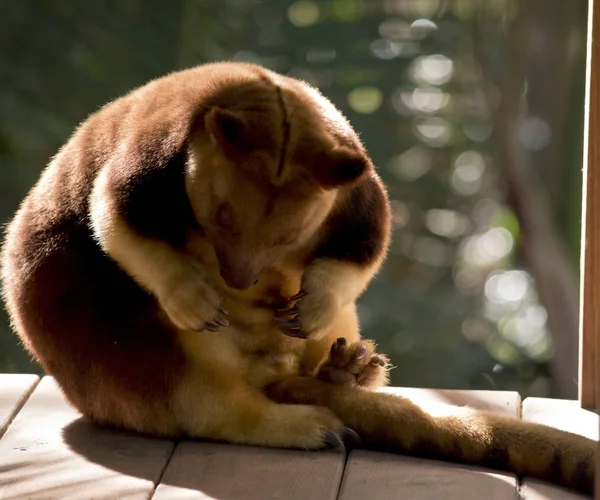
[{"x": 358, "y": 228}]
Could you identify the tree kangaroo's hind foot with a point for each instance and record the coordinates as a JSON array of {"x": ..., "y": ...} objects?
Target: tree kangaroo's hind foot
[
  {"x": 463, "y": 435},
  {"x": 355, "y": 364},
  {"x": 223, "y": 406}
]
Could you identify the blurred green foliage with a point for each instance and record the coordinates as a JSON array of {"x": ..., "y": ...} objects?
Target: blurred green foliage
[{"x": 455, "y": 305}]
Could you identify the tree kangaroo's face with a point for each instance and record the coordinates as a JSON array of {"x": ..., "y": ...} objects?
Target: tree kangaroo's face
[
  {"x": 251, "y": 225},
  {"x": 251, "y": 215},
  {"x": 250, "y": 229}
]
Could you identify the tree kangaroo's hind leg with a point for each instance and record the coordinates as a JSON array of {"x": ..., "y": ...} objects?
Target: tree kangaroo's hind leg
[
  {"x": 458, "y": 434},
  {"x": 214, "y": 399}
]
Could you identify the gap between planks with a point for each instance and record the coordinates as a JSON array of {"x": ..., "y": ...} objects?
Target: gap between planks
[{"x": 15, "y": 390}]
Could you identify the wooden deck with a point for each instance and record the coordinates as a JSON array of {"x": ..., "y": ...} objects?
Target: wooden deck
[{"x": 47, "y": 451}]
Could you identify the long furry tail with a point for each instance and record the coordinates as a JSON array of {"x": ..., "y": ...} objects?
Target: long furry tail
[{"x": 392, "y": 423}]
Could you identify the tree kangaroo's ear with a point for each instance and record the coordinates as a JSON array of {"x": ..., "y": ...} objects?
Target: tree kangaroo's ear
[
  {"x": 339, "y": 166},
  {"x": 232, "y": 132}
]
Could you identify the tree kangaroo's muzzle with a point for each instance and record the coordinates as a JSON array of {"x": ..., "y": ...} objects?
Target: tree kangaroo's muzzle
[{"x": 238, "y": 270}]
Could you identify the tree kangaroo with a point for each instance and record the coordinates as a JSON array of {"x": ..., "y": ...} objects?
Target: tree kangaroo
[{"x": 188, "y": 265}]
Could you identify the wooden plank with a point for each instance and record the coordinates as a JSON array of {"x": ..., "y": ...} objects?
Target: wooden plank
[
  {"x": 200, "y": 470},
  {"x": 535, "y": 490},
  {"x": 51, "y": 452},
  {"x": 561, "y": 414},
  {"x": 382, "y": 476},
  {"x": 501, "y": 402},
  {"x": 14, "y": 391},
  {"x": 589, "y": 313},
  {"x": 565, "y": 415}
]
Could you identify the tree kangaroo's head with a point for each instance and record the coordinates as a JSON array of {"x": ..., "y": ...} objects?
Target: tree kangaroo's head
[{"x": 267, "y": 164}]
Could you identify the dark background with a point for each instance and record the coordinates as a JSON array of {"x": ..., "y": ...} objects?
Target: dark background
[{"x": 472, "y": 111}]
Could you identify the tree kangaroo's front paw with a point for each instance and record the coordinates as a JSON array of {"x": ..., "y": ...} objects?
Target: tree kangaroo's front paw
[
  {"x": 306, "y": 314},
  {"x": 286, "y": 317},
  {"x": 192, "y": 304},
  {"x": 355, "y": 364}
]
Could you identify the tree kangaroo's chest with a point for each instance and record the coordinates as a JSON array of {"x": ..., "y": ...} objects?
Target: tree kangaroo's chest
[{"x": 253, "y": 332}]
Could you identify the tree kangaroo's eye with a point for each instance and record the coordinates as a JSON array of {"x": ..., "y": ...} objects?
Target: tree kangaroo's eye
[
  {"x": 224, "y": 216},
  {"x": 287, "y": 239}
]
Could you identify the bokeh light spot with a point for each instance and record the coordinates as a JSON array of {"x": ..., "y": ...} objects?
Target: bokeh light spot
[
  {"x": 421, "y": 28},
  {"x": 434, "y": 131},
  {"x": 365, "y": 99},
  {"x": 488, "y": 248},
  {"x": 435, "y": 69},
  {"x": 534, "y": 133},
  {"x": 348, "y": 10},
  {"x": 508, "y": 286},
  {"x": 448, "y": 223},
  {"x": 412, "y": 164},
  {"x": 304, "y": 13},
  {"x": 468, "y": 172},
  {"x": 320, "y": 55}
]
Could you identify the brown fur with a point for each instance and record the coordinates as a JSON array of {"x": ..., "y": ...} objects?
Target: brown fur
[{"x": 230, "y": 188}]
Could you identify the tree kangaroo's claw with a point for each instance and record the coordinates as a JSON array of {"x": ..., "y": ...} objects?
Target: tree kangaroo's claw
[{"x": 333, "y": 441}]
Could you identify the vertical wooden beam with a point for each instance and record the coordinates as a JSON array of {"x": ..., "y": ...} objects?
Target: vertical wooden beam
[{"x": 589, "y": 317}]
